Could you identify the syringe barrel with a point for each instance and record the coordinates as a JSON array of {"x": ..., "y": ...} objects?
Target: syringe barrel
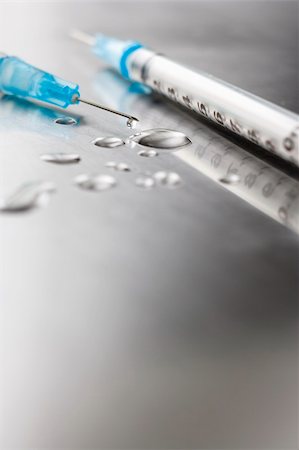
[
  {"x": 266, "y": 124},
  {"x": 23, "y": 80}
]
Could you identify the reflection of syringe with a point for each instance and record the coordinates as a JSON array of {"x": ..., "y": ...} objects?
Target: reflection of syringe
[
  {"x": 262, "y": 122},
  {"x": 254, "y": 180}
]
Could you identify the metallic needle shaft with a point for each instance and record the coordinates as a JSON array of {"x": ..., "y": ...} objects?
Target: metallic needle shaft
[{"x": 113, "y": 111}]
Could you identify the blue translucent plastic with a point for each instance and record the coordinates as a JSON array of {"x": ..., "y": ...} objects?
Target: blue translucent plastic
[
  {"x": 23, "y": 80},
  {"x": 115, "y": 52}
]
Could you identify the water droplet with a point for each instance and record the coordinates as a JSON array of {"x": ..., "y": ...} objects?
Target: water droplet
[
  {"x": 95, "y": 182},
  {"x": 145, "y": 182},
  {"x": 28, "y": 196},
  {"x": 61, "y": 158},
  {"x": 231, "y": 178},
  {"x": 65, "y": 121},
  {"x": 131, "y": 123},
  {"x": 109, "y": 142},
  {"x": 168, "y": 179},
  {"x": 162, "y": 138},
  {"x": 148, "y": 153},
  {"x": 121, "y": 167}
]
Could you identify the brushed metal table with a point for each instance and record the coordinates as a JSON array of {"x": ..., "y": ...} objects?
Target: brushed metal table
[{"x": 147, "y": 319}]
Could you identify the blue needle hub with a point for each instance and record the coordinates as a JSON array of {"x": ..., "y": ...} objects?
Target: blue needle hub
[{"x": 23, "y": 80}]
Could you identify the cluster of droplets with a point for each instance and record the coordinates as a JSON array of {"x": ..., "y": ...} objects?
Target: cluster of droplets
[
  {"x": 31, "y": 195},
  {"x": 170, "y": 180}
]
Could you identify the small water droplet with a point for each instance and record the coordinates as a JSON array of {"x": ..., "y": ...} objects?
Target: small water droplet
[
  {"x": 121, "y": 167},
  {"x": 109, "y": 142},
  {"x": 231, "y": 178},
  {"x": 148, "y": 153},
  {"x": 132, "y": 123},
  {"x": 168, "y": 179},
  {"x": 162, "y": 138},
  {"x": 61, "y": 158},
  {"x": 95, "y": 182},
  {"x": 145, "y": 182},
  {"x": 28, "y": 196},
  {"x": 65, "y": 121}
]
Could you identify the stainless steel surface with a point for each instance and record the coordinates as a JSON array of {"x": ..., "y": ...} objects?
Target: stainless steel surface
[{"x": 133, "y": 318}]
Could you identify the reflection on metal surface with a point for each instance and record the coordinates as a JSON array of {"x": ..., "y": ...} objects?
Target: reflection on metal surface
[
  {"x": 162, "y": 138},
  {"x": 32, "y": 117},
  {"x": 264, "y": 186},
  {"x": 28, "y": 196},
  {"x": 261, "y": 185}
]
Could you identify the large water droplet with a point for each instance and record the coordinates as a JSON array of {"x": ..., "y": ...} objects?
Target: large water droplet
[
  {"x": 109, "y": 142},
  {"x": 121, "y": 167},
  {"x": 231, "y": 178},
  {"x": 65, "y": 121},
  {"x": 145, "y": 182},
  {"x": 28, "y": 196},
  {"x": 95, "y": 182},
  {"x": 148, "y": 153},
  {"x": 61, "y": 158},
  {"x": 168, "y": 179},
  {"x": 162, "y": 138}
]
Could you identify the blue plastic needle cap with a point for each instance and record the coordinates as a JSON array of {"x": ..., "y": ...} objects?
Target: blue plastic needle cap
[
  {"x": 23, "y": 80},
  {"x": 115, "y": 52}
]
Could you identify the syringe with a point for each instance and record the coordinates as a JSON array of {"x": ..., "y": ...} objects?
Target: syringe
[
  {"x": 20, "y": 79},
  {"x": 262, "y": 122}
]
